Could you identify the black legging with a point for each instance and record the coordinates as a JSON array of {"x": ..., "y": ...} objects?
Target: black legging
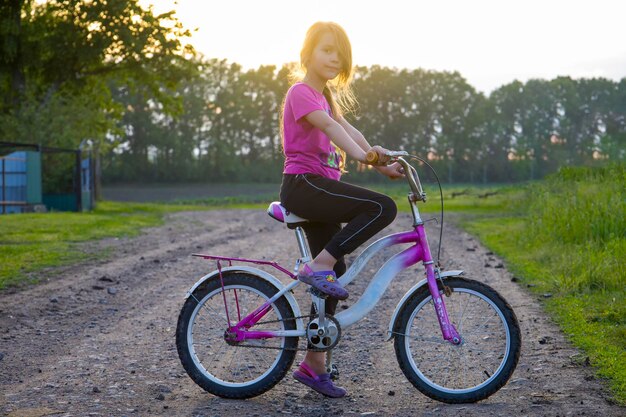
[{"x": 326, "y": 204}]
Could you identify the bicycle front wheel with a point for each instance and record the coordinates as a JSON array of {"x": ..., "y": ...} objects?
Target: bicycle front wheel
[
  {"x": 472, "y": 370},
  {"x": 234, "y": 370}
]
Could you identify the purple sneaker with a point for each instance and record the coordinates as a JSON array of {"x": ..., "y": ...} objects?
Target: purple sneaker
[
  {"x": 320, "y": 383},
  {"x": 324, "y": 281}
]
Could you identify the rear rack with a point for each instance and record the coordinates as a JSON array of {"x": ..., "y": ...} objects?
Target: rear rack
[{"x": 230, "y": 260}]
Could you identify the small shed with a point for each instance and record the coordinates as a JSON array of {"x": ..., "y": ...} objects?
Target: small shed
[
  {"x": 20, "y": 182},
  {"x": 40, "y": 178}
]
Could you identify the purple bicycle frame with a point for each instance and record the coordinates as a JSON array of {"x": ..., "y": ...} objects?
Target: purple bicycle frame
[{"x": 419, "y": 251}]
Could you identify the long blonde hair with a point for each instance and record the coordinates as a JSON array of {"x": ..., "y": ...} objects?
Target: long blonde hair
[{"x": 338, "y": 92}]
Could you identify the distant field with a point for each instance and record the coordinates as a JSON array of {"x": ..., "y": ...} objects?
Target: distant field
[
  {"x": 172, "y": 192},
  {"x": 458, "y": 196}
]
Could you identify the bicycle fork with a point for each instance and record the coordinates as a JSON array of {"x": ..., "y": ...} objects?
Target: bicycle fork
[{"x": 448, "y": 331}]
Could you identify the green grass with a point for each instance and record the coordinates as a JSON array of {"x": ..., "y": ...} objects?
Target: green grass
[
  {"x": 31, "y": 242},
  {"x": 238, "y": 201},
  {"x": 466, "y": 199},
  {"x": 567, "y": 238}
]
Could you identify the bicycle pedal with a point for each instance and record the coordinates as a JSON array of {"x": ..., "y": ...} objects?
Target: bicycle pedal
[{"x": 318, "y": 293}]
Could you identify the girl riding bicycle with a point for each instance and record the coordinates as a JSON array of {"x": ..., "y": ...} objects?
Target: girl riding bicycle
[{"x": 316, "y": 138}]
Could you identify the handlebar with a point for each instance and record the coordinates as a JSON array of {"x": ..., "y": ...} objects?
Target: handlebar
[
  {"x": 417, "y": 194},
  {"x": 372, "y": 156}
]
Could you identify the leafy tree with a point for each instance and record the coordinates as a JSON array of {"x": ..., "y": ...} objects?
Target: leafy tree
[
  {"x": 61, "y": 56},
  {"x": 119, "y": 75},
  {"x": 11, "y": 56}
]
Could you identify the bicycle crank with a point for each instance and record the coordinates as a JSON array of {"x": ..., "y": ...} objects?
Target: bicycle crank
[{"x": 325, "y": 336}]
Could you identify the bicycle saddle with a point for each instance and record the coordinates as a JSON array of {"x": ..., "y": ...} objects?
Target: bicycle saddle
[{"x": 278, "y": 212}]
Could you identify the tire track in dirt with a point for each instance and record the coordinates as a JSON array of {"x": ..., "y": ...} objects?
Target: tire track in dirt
[{"x": 79, "y": 351}]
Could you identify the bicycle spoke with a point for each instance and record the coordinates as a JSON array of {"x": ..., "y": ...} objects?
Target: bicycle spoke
[
  {"x": 472, "y": 373},
  {"x": 484, "y": 324},
  {"x": 445, "y": 362},
  {"x": 438, "y": 363},
  {"x": 266, "y": 364},
  {"x": 465, "y": 369},
  {"x": 475, "y": 349},
  {"x": 435, "y": 368},
  {"x": 245, "y": 365},
  {"x": 260, "y": 355},
  {"x": 479, "y": 336},
  {"x": 216, "y": 314},
  {"x": 224, "y": 346},
  {"x": 433, "y": 340},
  {"x": 230, "y": 364},
  {"x": 195, "y": 331},
  {"x": 462, "y": 314},
  {"x": 245, "y": 302}
]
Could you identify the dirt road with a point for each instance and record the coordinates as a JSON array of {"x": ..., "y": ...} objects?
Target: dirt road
[{"x": 98, "y": 338}]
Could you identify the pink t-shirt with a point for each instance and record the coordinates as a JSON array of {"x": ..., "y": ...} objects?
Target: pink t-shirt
[{"x": 307, "y": 149}]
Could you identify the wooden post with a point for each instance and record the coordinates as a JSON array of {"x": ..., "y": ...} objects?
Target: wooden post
[
  {"x": 4, "y": 196},
  {"x": 78, "y": 183}
]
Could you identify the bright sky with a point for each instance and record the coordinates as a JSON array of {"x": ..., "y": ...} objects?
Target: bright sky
[{"x": 490, "y": 42}]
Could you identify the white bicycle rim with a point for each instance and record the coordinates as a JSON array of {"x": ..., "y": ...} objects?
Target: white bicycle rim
[
  {"x": 192, "y": 349},
  {"x": 407, "y": 342}
]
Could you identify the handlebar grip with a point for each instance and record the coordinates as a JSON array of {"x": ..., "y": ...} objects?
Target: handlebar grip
[{"x": 371, "y": 157}]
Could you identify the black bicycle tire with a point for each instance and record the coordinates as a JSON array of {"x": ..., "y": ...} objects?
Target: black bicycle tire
[
  {"x": 427, "y": 389},
  {"x": 282, "y": 366}
]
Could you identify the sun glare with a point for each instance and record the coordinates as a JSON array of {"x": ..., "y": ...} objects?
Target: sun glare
[{"x": 489, "y": 42}]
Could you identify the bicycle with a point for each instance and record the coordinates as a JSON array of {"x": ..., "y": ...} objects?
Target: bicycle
[{"x": 239, "y": 328}]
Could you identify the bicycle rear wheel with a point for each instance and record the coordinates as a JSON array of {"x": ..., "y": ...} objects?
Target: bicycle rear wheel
[
  {"x": 473, "y": 370},
  {"x": 234, "y": 370}
]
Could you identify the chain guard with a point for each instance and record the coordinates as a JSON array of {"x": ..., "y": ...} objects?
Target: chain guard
[{"x": 325, "y": 341}]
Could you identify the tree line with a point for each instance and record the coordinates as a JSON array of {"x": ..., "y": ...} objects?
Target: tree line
[
  {"x": 228, "y": 129},
  {"x": 115, "y": 77}
]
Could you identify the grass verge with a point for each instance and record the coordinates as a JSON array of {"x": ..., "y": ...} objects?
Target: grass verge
[
  {"x": 568, "y": 245},
  {"x": 31, "y": 242}
]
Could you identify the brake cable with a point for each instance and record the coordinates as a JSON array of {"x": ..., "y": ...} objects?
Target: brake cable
[{"x": 441, "y": 199}]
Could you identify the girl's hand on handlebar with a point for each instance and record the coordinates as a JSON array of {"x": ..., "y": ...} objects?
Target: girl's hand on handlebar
[
  {"x": 381, "y": 158},
  {"x": 393, "y": 171}
]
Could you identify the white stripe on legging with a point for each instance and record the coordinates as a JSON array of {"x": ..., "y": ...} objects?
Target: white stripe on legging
[{"x": 353, "y": 198}]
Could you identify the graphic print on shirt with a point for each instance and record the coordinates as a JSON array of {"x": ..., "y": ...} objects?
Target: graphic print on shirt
[{"x": 333, "y": 159}]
